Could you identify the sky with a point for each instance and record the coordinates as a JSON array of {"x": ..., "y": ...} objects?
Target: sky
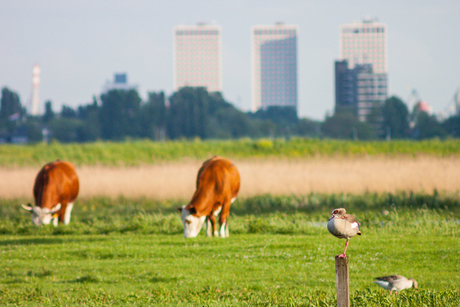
[{"x": 80, "y": 45}]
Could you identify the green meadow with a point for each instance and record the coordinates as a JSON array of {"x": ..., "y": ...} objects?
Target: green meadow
[
  {"x": 131, "y": 252},
  {"x": 146, "y": 152}
]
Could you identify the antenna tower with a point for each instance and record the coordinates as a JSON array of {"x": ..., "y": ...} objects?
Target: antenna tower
[{"x": 35, "y": 87}]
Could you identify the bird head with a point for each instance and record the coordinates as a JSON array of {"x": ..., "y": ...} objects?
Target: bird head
[{"x": 337, "y": 212}]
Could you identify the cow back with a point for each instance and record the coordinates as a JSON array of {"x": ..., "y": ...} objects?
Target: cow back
[
  {"x": 56, "y": 182},
  {"x": 218, "y": 180}
]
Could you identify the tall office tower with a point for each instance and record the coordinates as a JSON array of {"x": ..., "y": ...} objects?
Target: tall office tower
[
  {"x": 358, "y": 89},
  {"x": 364, "y": 43},
  {"x": 198, "y": 57},
  {"x": 345, "y": 87},
  {"x": 274, "y": 66},
  {"x": 361, "y": 80},
  {"x": 35, "y": 88},
  {"x": 372, "y": 89}
]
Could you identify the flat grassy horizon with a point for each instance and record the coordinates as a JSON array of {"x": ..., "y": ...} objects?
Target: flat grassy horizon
[
  {"x": 139, "y": 152},
  {"x": 131, "y": 252}
]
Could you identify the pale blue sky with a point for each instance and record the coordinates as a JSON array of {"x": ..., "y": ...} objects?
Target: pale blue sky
[{"x": 79, "y": 45}]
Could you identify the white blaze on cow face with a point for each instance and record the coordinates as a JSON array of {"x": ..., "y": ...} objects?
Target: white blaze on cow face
[
  {"x": 192, "y": 224},
  {"x": 42, "y": 216}
]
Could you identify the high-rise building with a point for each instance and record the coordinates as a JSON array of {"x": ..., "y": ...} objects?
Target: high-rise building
[
  {"x": 345, "y": 87},
  {"x": 274, "y": 66},
  {"x": 361, "y": 80},
  {"x": 371, "y": 90},
  {"x": 198, "y": 57},
  {"x": 359, "y": 89},
  {"x": 364, "y": 43}
]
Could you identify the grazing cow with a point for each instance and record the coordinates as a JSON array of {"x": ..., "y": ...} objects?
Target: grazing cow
[
  {"x": 55, "y": 190},
  {"x": 217, "y": 186}
]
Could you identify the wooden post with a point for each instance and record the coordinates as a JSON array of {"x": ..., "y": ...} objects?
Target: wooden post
[{"x": 343, "y": 289}]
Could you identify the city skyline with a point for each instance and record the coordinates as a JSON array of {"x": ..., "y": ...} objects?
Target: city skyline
[{"x": 96, "y": 39}]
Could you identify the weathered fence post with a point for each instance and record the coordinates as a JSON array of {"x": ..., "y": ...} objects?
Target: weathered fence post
[{"x": 343, "y": 289}]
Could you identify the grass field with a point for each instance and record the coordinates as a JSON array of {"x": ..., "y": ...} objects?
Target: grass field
[
  {"x": 147, "y": 152},
  {"x": 131, "y": 252},
  {"x": 125, "y": 246}
]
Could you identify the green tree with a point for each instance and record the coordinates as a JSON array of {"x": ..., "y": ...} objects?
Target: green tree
[
  {"x": 193, "y": 112},
  {"x": 64, "y": 130},
  {"x": 452, "y": 126},
  {"x": 11, "y": 111},
  {"x": 427, "y": 127},
  {"x": 34, "y": 129},
  {"x": 278, "y": 115},
  {"x": 118, "y": 114},
  {"x": 344, "y": 125},
  {"x": 49, "y": 114},
  {"x": 307, "y": 127},
  {"x": 68, "y": 112},
  {"x": 90, "y": 130},
  {"x": 188, "y": 113},
  {"x": 152, "y": 117},
  {"x": 395, "y": 118}
]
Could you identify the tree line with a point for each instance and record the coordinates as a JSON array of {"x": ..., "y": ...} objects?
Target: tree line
[{"x": 195, "y": 113}]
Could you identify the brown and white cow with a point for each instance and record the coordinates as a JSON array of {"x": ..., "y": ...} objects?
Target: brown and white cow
[
  {"x": 55, "y": 190},
  {"x": 217, "y": 186}
]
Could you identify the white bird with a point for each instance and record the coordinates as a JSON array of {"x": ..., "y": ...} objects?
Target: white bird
[
  {"x": 343, "y": 226},
  {"x": 395, "y": 283}
]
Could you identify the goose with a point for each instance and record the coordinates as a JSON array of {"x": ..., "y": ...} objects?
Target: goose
[
  {"x": 395, "y": 283},
  {"x": 343, "y": 226}
]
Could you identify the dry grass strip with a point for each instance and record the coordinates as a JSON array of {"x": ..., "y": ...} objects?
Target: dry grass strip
[{"x": 176, "y": 180}]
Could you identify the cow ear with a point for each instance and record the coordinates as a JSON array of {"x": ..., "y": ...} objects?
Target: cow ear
[
  {"x": 28, "y": 208},
  {"x": 56, "y": 208},
  {"x": 179, "y": 209}
]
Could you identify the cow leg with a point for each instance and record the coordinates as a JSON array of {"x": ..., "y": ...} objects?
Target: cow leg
[
  {"x": 55, "y": 221},
  {"x": 212, "y": 229},
  {"x": 223, "y": 219},
  {"x": 226, "y": 224},
  {"x": 208, "y": 227},
  {"x": 216, "y": 213},
  {"x": 68, "y": 212},
  {"x": 222, "y": 229}
]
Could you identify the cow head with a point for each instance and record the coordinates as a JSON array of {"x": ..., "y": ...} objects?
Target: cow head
[
  {"x": 42, "y": 215},
  {"x": 192, "y": 223}
]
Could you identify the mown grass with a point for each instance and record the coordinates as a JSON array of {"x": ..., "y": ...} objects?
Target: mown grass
[
  {"x": 147, "y": 152},
  {"x": 279, "y": 253},
  {"x": 259, "y": 214}
]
